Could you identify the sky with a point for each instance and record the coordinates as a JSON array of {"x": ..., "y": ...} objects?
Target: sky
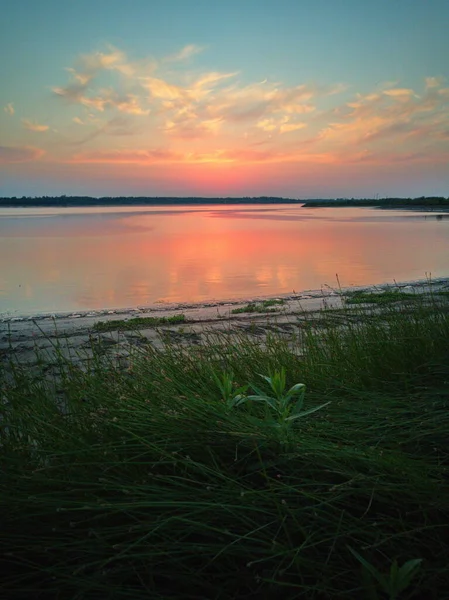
[{"x": 292, "y": 98}]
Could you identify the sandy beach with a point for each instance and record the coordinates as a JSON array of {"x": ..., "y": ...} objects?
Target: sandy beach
[{"x": 36, "y": 340}]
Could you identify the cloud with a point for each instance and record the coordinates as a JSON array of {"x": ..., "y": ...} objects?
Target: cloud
[
  {"x": 9, "y": 109},
  {"x": 282, "y": 125},
  {"x": 34, "y": 126},
  {"x": 193, "y": 128},
  {"x": 159, "y": 88},
  {"x": 187, "y": 107},
  {"x": 118, "y": 126},
  {"x": 396, "y": 113},
  {"x": 400, "y": 93},
  {"x": 254, "y": 156},
  {"x": 199, "y": 89},
  {"x": 299, "y": 109},
  {"x": 267, "y": 125},
  {"x": 387, "y": 158},
  {"x": 128, "y": 157},
  {"x": 114, "y": 60},
  {"x": 224, "y": 108},
  {"x": 19, "y": 154},
  {"x": 148, "y": 157},
  {"x": 434, "y": 82},
  {"x": 81, "y": 78},
  {"x": 212, "y": 77},
  {"x": 202, "y": 87},
  {"x": 190, "y": 106},
  {"x": 220, "y": 156},
  {"x": 129, "y": 105},
  {"x": 72, "y": 93},
  {"x": 185, "y": 53},
  {"x": 288, "y": 127},
  {"x": 261, "y": 102},
  {"x": 107, "y": 99}
]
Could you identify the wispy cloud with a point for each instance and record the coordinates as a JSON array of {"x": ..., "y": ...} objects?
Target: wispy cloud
[
  {"x": 130, "y": 105},
  {"x": 395, "y": 113},
  {"x": 281, "y": 125},
  {"x": 185, "y": 53},
  {"x": 128, "y": 157},
  {"x": 106, "y": 99},
  {"x": 34, "y": 126},
  {"x": 81, "y": 78},
  {"x": 19, "y": 154},
  {"x": 192, "y": 127},
  {"x": 259, "y": 101},
  {"x": 400, "y": 93},
  {"x": 288, "y": 127},
  {"x": 434, "y": 82},
  {"x": 114, "y": 60},
  {"x": 9, "y": 109},
  {"x": 213, "y": 109},
  {"x": 81, "y": 88},
  {"x": 188, "y": 106},
  {"x": 118, "y": 126},
  {"x": 159, "y": 88},
  {"x": 253, "y": 156},
  {"x": 221, "y": 156}
]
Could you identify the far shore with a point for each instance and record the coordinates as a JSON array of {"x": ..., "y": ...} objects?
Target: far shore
[
  {"x": 72, "y": 334},
  {"x": 117, "y": 201}
]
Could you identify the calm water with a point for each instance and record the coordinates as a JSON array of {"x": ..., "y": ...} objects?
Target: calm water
[{"x": 91, "y": 258}]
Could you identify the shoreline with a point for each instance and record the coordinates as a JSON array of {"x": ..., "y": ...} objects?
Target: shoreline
[
  {"x": 326, "y": 291},
  {"x": 38, "y": 342}
]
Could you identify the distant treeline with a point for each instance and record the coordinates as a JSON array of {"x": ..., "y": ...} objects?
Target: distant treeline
[
  {"x": 436, "y": 201},
  {"x": 135, "y": 201},
  {"x": 64, "y": 201}
]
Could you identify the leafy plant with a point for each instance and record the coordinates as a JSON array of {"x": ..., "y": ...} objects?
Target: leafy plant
[
  {"x": 396, "y": 581},
  {"x": 284, "y": 407},
  {"x": 228, "y": 389}
]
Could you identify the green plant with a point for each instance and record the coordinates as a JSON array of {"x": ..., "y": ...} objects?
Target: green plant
[
  {"x": 383, "y": 297},
  {"x": 285, "y": 407},
  {"x": 228, "y": 389},
  {"x": 396, "y": 581},
  {"x": 266, "y": 306},
  {"x": 128, "y": 476},
  {"x": 137, "y": 323}
]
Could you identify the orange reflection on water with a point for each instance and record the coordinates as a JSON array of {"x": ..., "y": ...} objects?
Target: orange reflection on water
[{"x": 67, "y": 263}]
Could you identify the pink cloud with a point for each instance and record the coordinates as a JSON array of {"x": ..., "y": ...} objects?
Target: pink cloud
[
  {"x": 34, "y": 126},
  {"x": 19, "y": 154},
  {"x": 240, "y": 156}
]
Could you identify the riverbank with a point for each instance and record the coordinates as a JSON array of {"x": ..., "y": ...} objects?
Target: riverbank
[
  {"x": 166, "y": 478},
  {"x": 422, "y": 203},
  {"x": 41, "y": 338}
]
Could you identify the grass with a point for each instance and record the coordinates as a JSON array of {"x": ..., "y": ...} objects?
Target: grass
[
  {"x": 159, "y": 482},
  {"x": 259, "y": 307},
  {"x": 384, "y": 297},
  {"x": 137, "y": 323}
]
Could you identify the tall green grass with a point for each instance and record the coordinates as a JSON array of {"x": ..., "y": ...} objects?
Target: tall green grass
[{"x": 146, "y": 483}]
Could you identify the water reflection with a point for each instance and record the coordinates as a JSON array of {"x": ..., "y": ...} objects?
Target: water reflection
[{"x": 86, "y": 259}]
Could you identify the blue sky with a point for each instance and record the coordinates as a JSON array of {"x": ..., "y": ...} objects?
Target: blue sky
[{"x": 326, "y": 88}]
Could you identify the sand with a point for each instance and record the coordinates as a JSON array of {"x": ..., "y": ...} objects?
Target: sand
[{"x": 36, "y": 341}]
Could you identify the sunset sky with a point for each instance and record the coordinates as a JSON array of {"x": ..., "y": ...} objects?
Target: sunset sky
[{"x": 290, "y": 98}]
